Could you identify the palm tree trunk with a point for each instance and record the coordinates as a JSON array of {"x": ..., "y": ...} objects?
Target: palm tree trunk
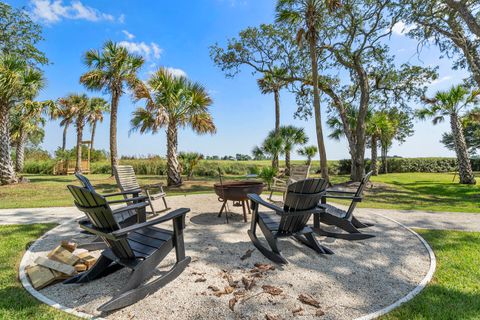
[
  {"x": 276, "y": 94},
  {"x": 64, "y": 139},
  {"x": 277, "y": 124},
  {"x": 384, "y": 159},
  {"x": 20, "y": 151},
  {"x": 78, "y": 163},
  {"x": 92, "y": 137},
  {"x": 113, "y": 128},
  {"x": 7, "y": 174},
  {"x": 374, "y": 163},
  {"x": 173, "y": 173},
  {"x": 287, "y": 162},
  {"x": 464, "y": 166},
  {"x": 309, "y": 161},
  {"x": 316, "y": 105}
]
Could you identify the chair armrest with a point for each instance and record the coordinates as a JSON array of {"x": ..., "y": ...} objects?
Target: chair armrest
[
  {"x": 170, "y": 216},
  {"x": 132, "y": 192},
  {"x": 340, "y": 191},
  {"x": 355, "y": 199},
  {"x": 134, "y": 199},
  {"x": 135, "y": 206},
  {"x": 153, "y": 185},
  {"x": 256, "y": 199},
  {"x": 275, "y": 180}
]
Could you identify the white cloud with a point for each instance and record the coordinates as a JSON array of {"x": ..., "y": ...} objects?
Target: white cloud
[
  {"x": 440, "y": 80},
  {"x": 121, "y": 18},
  {"x": 400, "y": 28},
  {"x": 52, "y": 11},
  {"x": 143, "y": 49},
  {"x": 176, "y": 72},
  {"x": 128, "y": 34}
]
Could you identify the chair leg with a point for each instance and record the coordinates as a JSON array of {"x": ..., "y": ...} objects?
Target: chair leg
[
  {"x": 310, "y": 241},
  {"x": 165, "y": 203},
  {"x": 353, "y": 234},
  {"x": 358, "y": 224}
]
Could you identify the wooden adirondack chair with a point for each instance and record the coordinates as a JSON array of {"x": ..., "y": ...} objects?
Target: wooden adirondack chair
[
  {"x": 140, "y": 247},
  {"x": 345, "y": 220},
  {"x": 301, "y": 202},
  {"x": 297, "y": 173},
  {"x": 127, "y": 182}
]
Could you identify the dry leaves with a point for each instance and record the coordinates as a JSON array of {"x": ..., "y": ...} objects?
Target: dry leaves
[
  {"x": 247, "y": 254},
  {"x": 274, "y": 291},
  {"x": 232, "y": 302},
  {"x": 298, "y": 311},
  {"x": 272, "y": 317},
  {"x": 226, "y": 290},
  {"x": 214, "y": 288},
  {"x": 248, "y": 283},
  {"x": 319, "y": 313},
  {"x": 308, "y": 299},
  {"x": 201, "y": 279},
  {"x": 264, "y": 267}
]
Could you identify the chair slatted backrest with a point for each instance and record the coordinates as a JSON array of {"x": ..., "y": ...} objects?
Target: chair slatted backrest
[
  {"x": 84, "y": 181},
  {"x": 301, "y": 195},
  {"x": 100, "y": 215},
  {"x": 125, "y": 177},
  {"x": 299, "y": 172},
  {"x": 359, "y": 193}
]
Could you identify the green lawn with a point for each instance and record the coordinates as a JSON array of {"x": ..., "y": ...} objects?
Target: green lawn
[
  {"x": 454, "y": 293},
  {"x": 409, "y": 191},
  {"x": 15, "y": 302}
]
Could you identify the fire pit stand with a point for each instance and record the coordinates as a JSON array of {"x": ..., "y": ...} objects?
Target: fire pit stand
[{"x": 237, "y": 192}]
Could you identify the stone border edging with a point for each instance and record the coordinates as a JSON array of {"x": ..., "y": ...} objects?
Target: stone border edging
[{"x": 428, "y": 277}]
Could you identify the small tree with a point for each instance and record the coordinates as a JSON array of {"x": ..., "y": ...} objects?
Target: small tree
[
  {"x": 189, "y": 161},
  {"x": 452, "y": 103},
  {"x": 271, "y": 148},
  {"x": 291, "y": 137},
  {"x": 309, "y": 152}
]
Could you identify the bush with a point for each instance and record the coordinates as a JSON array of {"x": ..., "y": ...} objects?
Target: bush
[{"x": 39, "y": 166}]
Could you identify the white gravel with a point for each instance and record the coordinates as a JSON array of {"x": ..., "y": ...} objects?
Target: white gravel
[{"x": 361, "y": 277}]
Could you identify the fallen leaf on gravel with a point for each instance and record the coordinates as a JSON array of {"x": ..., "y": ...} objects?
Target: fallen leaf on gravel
[
  {"x": 197, "y": 273},
  {"x": 231, "y": 303},
  {"x": 230, "y": 281},
  {"x": 298, "y": 311},
  {"x": 248, "y": 283},
  {"x": 274, "y": 291},
  {"x": 201, "y": 279},
  {"x": 240, "y": 294},
  {"x": 272, "y": 317},
  {"x": 214, "y": 288},
  {"x": 264, "y": 266},
  {"x": 319, "y": 313},
  {"x": 226, "y": 290},
  {"x": 308, "y": 299},
  {"x": 247, "y": 254}
]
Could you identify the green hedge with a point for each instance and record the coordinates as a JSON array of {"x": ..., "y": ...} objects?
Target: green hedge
[{"x": 209, "y": 168}]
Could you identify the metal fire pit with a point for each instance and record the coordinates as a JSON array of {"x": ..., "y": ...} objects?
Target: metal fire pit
[{"x": 237, "y": 192}]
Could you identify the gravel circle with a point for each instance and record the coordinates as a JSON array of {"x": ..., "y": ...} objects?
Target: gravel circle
[{"x": 360, "y": 278}]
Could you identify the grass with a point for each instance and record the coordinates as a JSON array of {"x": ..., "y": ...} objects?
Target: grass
[
  {"x": 454, "y": 292},
  {"x": 15, "y": 302},
  {"x": 407, "y": 191}
]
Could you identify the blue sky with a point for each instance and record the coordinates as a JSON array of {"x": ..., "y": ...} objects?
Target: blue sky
[{"x": 177, "y": 34}]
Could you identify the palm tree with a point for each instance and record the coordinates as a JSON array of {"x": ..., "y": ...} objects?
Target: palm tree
[
  {"x": 26, "y": 122},
  {"x": 309, "y": 152},
  {"x": 189, "y": 161},
  {"x": 79, "y": 106},
  {"x": 17, "y": 80},
  {"x": 291, "y": 137},
  {"x": 272, "y": 83},
  {"x": 172, "y": 102},
  {"x": 306, "y": 16},
  {"x": 110, "y": 70},
  {"x": 99, "y": 107},
  {"x": 451, "y": 103},
  {"x": 61, "y": 111},
  {"x": 272, "y": 147}
]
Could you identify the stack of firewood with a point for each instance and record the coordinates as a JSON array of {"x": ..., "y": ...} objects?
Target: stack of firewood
[{"x": 61, "y": 263}]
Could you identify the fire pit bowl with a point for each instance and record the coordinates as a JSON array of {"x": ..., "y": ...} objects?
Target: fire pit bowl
[{"x": 237, "y": 191}]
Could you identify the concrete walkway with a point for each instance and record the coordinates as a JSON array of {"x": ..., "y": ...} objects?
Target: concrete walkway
[{"x": 413, "y": 219}]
